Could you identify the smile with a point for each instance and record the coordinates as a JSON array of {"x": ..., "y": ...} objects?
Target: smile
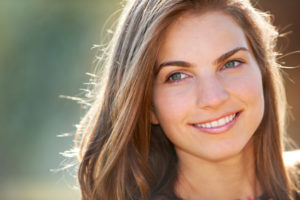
[
  {"x": 217, "y": 123},
  {"x": 218, "y": 126}
]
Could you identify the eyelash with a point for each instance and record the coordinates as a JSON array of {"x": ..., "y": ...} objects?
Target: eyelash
[
  {"x": 236, "y": 64},
  {"x": 239, "y": 62},
  {"x": 180, "y": 73}
]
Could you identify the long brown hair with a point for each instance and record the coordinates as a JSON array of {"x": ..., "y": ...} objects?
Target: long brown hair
[{"x": 123, "y": 156}]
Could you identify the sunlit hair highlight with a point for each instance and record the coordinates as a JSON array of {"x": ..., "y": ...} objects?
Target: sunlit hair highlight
[{"x": 123, "y": 156}]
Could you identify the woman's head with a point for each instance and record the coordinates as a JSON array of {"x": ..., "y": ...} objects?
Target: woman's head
[
  {"x": 124, "y": 155},
  {"x": 207, "y": 92}
]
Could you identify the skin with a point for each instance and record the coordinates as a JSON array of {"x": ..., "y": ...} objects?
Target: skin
[{"x": 218, "y": 163}]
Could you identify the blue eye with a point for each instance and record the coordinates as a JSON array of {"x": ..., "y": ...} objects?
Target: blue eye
[
  {"x": 177, "y": 76},
  {"x": 232, "y": 64}
]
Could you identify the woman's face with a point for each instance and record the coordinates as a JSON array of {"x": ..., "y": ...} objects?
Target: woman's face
[{"x": 207, "y": 94}]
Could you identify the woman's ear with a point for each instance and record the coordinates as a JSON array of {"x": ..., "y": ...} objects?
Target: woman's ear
[{"x": 153, "y": 117}]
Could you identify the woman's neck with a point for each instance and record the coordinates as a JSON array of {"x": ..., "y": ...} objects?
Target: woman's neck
[{"x": 229, "y": 179}]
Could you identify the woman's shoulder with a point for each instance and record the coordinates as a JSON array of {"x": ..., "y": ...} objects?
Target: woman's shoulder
[
  {"x": 292, "y": 158},
  {"x": 292, "y": 162}
]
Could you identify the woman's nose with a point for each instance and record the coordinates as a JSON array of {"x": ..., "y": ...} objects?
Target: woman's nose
[{"x": 211, "y": 93}]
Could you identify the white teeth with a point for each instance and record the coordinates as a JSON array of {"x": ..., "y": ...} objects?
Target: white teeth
[
  {"x": 217, "y": 123},
  {"x": 222, "y": 121},
  {"x": 214, "y": 123}
]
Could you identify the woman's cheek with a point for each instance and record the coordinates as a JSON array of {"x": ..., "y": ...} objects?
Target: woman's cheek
[
  {"x": 247, "y": 87},
  {"x": 172, "y": 101}
]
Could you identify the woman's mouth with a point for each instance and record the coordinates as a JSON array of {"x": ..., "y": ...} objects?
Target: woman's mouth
[{"x": 220, "y": 125}]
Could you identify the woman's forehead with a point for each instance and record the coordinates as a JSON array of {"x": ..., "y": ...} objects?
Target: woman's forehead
[{"x": 203, "y": 34}]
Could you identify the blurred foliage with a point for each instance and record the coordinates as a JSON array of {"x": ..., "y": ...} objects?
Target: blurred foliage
[{"x": 44, "y": 53}]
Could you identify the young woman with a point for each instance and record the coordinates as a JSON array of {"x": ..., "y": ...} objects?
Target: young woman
[{"x": 190, "y": 105}]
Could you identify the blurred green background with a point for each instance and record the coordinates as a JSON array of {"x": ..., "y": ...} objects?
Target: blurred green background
[{"x": 45, "y": 51}]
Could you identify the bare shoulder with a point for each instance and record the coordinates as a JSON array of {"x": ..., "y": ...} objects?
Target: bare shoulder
[{"x": 292, "y": 158}]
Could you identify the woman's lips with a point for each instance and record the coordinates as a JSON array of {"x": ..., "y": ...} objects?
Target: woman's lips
[{"x": 219, "y": 125}]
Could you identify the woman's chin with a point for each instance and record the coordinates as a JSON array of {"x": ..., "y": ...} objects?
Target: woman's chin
[{"x": 223, "y": 154}]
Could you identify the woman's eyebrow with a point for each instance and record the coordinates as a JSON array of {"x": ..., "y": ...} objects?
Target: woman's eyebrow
[
  {"x": 220, "y": 59},
  {"x": 229, "y": 54},
  {"x": 178, "y": 63}
]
